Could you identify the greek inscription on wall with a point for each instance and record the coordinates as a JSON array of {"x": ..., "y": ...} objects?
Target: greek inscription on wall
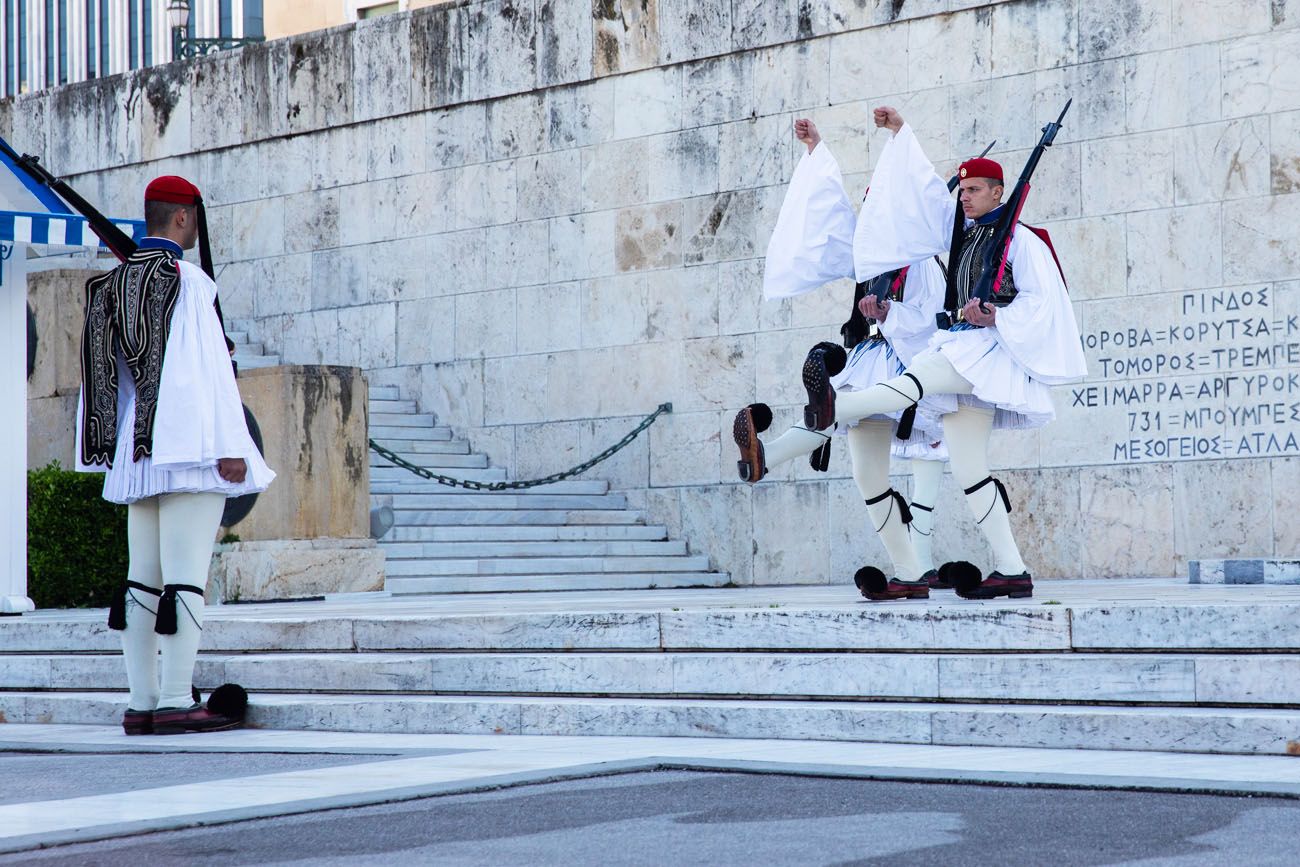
[{"x": 1195, "y": 375}]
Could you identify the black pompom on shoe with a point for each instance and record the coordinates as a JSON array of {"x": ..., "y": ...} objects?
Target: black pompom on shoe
[
  {"x": 229, "y": 700},
  {"x": 870, "y": 580},
  {"x": 761, "y": 413},
  {"x": 834, "y": 356},
  {"x": 963, "y": 576}
]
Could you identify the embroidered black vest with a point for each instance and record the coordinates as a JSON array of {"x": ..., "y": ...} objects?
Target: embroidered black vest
[
  {"x": 966, "y": 257},
  {"x": 128, "y": 310}
]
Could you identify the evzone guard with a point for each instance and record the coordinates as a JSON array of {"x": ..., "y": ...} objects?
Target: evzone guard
[
  {"x": 893, "y": 318},
  {"x": 1010, "y": 332},
  {"x": 161, "y": 416}
]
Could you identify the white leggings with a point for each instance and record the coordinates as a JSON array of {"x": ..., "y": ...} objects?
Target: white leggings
[
  {"x": 169, "y": 538},
  {"x": 965, "y": 432}
]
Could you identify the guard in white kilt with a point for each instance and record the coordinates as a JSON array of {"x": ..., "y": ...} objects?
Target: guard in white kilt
[
  {"x": 893, "y": 318},
  {"x": 161, "y": 416},
  {"x": 994, "y": 367}
]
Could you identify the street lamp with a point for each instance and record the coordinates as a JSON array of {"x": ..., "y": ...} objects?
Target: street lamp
[{"x": 178, "y": 16}]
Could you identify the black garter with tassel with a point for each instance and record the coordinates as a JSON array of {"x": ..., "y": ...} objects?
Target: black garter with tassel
[
  {"x": 166, "y": 624},
  {"x": 117, "y": 608}
]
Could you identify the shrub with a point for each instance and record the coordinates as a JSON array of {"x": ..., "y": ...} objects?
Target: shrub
[{"x": 76, "y": 540}]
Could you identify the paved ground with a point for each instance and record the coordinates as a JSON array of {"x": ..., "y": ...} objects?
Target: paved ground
[
  {"x": 76, "y": 784},
  {"x": 719, "y": 819}
]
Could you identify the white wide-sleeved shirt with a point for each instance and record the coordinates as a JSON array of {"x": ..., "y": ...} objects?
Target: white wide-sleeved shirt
[{"x": 199, "y": 416}]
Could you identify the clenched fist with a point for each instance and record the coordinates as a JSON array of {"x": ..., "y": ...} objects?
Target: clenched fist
[
  {"x": 888, "y": 117},
  {"x": 806, "y": 131}
]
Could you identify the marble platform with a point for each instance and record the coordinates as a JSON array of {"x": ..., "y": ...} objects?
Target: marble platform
[{"x": 1133, "y": 664}]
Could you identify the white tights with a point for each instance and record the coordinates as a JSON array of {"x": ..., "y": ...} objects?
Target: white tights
[
  {"x": 965, "y": 432},
  {"x": 869, "y": 443},
  {"x": 170, "y": 542},
  {"x": 926, "y": 477}
]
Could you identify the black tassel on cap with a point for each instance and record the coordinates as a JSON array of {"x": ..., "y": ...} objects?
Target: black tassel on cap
[{"x": 166, "y": 624}]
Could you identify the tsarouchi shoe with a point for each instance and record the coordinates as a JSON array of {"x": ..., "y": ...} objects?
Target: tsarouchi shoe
[
  {"x": 935, "y": 581},
  {"x": 175, "y": 721},
  {"x": 137, "y": 722},
  {"x": 750, "y": 422},
  {"x": 1015, "y": 586},
  {"x": 873, "y": 585},
  {"x": 824, "y": 361}
]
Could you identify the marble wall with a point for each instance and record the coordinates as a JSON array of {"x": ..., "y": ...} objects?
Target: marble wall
[{"x": 545, "y": 217}]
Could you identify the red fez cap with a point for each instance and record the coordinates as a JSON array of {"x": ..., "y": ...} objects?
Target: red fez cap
[
  {"x": 170, "y": 188},
  {"x": 980, "y": 168}
]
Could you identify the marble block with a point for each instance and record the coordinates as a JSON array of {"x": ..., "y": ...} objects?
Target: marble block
[
  {"x": 1243, "y": 571},
  {"x": 314, "y": 429},
  {"x": 294, "y": 569}
]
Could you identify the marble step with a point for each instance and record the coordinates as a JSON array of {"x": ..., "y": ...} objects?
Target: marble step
[
  {"x": 251, "y": 362},
  {"x": 385, "y": 392},
  {"x": 498, "y": 549},
  {"x": 401, "y": 419},
  {"x": 1257, "y": 680},
  {"x": 433, "y": 462},
  {"x": 417, "y": 485},
  {"x": 410, "y": 585},
  {"x": 488, "y": 517},
  {"x": 529, "y": 498},
  {"x": 237, "y": 337},
  {"x": 1243, "y": 731},
  {"x": 383, "y": 434},
  {"x": 1032, "y": 631},
  {"x": 412, "y": 449},
  {"x": 381, "y": 405},
  {"x": 422, "y": 567},
  {"x": 403, "y": 476},
  {"x": 526, "y": 533}
]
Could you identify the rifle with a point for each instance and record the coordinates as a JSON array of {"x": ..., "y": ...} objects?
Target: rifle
[
  {"x": 995, "y": 259},
  {"x": 118, "y": 242}
]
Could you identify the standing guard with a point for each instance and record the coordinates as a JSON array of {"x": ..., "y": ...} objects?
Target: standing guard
[{"x": 160, "y": 415}]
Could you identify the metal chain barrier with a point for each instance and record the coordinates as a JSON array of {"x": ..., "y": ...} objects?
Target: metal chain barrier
[{"x": 470, "y": 485}]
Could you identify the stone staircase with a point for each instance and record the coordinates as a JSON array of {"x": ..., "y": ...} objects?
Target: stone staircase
[
  {"x": 1215, "y": 678},
  {"x": 571, "y": 535}
]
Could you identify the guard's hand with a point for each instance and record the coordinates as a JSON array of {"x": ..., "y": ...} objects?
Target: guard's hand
[
  {"x": 873, "y": 308},
  {"x": 888, "y": 117},
  {"x": 806, "y": 131},
  {"x": 232, "y": 470},
  {"x": 976, "y": 312}
]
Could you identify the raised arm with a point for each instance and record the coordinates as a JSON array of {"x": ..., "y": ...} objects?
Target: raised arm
[
  {"x": 812, "y": 243},
  {"x": 908, "y": 214}
]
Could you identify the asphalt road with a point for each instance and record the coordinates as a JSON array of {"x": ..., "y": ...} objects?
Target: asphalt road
[{"x": 683, "y": 818}]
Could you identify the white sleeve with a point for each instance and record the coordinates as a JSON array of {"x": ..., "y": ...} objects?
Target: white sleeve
[
  {"x": 910, "y": 323},
  {"x": 200, "y": 417},
  {"x": 908, "y": 214},
  {"x": 812, "y": 243},
  {"x": 1038, "y": 327}
]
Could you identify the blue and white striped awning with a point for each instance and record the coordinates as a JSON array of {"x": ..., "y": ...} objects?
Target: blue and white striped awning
[
  {"x": 60, "y": 230},
  {"x": 31, "y": 213}
]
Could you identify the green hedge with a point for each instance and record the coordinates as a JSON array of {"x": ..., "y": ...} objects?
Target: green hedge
[{"x": 76, "y": 540}]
